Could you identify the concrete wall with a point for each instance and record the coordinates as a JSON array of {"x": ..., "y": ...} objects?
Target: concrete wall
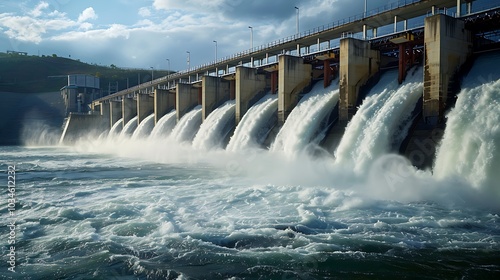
[
  {"x": 447, "y": 46},
  {"x": 105, "y": 113},
  {"x": 164, "y": 102},
  {"x": 145, "y": 106},
  {"x": 248, "y": 84},
  {"x": 115, "y": 111},
  {"x": 129, "y": 109},
  {"x": 80, "y": 125},
  {"x": 357, "y": 64},
  {"x": 215, "y": 91},
  {"x": 186, "y": 99},
  {"x": 293, "y": 77}
]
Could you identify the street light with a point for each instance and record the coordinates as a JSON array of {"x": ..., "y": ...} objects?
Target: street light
[
  {"x": 152, "y": 76},
  {"x": 215, "y": 51},
  {"x": 297, "y": 19},
  {"x": 251, "y": 37},
  {"x": 364, "y": 14},
  {"x": 189, "y": 60},
  {"x": 168, "y": 70}
]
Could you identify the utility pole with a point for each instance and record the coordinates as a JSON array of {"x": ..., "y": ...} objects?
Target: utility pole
[
  {"x": 215, "y": 51},
  {"x": 297, "y": 20},
  {"x": 251, "y": 37},
  {"x": 189, "y": 65},
  {"x": 364, "y": 14}
]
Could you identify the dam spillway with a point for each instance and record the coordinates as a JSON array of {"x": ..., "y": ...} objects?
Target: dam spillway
[
  {"x": 356, "y": 64},
  {"x": 258, "y": 181}
]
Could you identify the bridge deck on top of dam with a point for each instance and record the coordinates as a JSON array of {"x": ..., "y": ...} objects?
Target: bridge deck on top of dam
[{"x": 383, "y": 16}]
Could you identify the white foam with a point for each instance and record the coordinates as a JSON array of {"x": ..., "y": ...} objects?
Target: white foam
[
  {"x": 305, "y": 120},
  {"x": 165, "y": 125},
  {"x": 382, "y": 118},
  {"x": 145, "y": 127},
  {"x": 470, "y": 145},
  {"x": 129, "y": 128},
  {"x": 188, "y": 125},
  {"x": 116, "y": 128},
  {"x": 215, "y": 127},
  {"x": 254, "y": 127}
]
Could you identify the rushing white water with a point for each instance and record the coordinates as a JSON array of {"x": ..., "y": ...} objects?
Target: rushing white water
[
  {"x": 145, "y": 127},
  {"x": 471, "y": 142},
  {"x": 105, "y": 209},
  {"x": 381, "y": 121},
  {"x": 165, "y": 125},
  {"x": 37, "y": 133},
  {"x": 305, "y": 120},
  {"x": 129, "y": 128},
  {"x": 116, "y": 129},
  {"x": 105, "y": 216},
  {"x": 215, "y": 127},
  {"x": 187, "y": 126},
  {"x": 255, "y": 124}
]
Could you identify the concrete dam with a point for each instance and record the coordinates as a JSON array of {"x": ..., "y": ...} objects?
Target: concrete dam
[{"x": 355, "y": 89}]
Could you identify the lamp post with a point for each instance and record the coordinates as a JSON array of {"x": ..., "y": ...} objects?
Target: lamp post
[
  {"x": 189, "y": 64},
  {"x": 251, "y": 37},
  {"x": 364, "y": 14},
  {"x": 297, "y": 19},
  {"x": 168, "y": 70},
  {"x": 215, "y": 51},
  {"x": 152, "y": 76}
]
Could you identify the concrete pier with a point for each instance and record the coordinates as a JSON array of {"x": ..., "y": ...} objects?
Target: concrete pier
[
  {"x": 293, "y": 77},
  {"x": 357, "y": 64},
  {"x": 186, "y": 99},
  {"x": 327, "y": 73},
  {"x": 105, "y": 114},
  {"x": 274, "y": 82},
  {"x": 145, "y": 106},
  {"x": 248, "y": 85},
  {"x": 79, "y": 126},
  {"x": 115, "y": 111},
  {"x": 215, "y": 91},
  {"x": 164, "y": 102},
  {"x": 129, "y": 109},
  {"x": 447, "y": 46}
]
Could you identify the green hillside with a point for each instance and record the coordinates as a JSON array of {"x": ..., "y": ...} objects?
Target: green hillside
[{"x": 28, "y": 74}]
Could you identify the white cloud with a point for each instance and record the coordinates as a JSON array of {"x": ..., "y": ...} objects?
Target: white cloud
[
  {"x": 22, "y": 28},
  {"x": 114, "y": 31},
  {"x": 163, "y": 28},
  {"x": 36, "y": 25},
  {"x": 144, "y": 12},
  {"x": 196, "y": 5},
  {"x": 145, "y": 22},
  {"x": 56, "y": 13},
  {"x": 31, "y": 29},
  {"x": 87, "y": 14},
  {"x": 86, "y": 26},
  {"x": 37, "y": 11}
]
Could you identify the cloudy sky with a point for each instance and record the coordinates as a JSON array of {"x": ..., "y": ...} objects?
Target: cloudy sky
[{"x": 145, "y": 33}]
